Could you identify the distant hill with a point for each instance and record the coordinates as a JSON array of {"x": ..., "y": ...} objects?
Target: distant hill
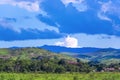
[
  {"x": 59, "y": 49},
  {"x": 104, "y": 55}
]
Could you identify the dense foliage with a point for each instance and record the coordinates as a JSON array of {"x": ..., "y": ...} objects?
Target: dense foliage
[
  {"x": 43, "y": 65},
  {"x": 46, "y": 65}
]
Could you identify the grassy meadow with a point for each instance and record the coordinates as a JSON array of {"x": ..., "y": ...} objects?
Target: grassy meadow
[{"x": 67, "y": 76}]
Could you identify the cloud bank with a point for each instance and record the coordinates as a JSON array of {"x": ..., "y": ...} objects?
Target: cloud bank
[{"x": 29, "y": 5}]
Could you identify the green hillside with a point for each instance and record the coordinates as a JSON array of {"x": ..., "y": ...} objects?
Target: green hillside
[
  {"x": 105, "y": 56},
  {"x": 30, "y": 53}
]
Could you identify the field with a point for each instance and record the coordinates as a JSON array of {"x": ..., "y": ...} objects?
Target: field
[{"x": 67, "y": 76}]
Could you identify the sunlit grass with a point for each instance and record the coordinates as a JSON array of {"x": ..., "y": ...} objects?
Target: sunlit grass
[{"x": 67, "y": 76}]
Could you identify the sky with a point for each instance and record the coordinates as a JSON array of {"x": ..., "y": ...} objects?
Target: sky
[{"x": 69, "y": 23}]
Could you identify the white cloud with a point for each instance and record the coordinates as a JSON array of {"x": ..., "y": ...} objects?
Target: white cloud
[
  {"x": 59, "y": 43},
  {"x": 30, "y": 6},
  {"x": 106, "y": 6},
  {"x": 68, "y": 42},
  {"x": 116, "y": 27},
  {"x": 109, "y": 8},
  {"x": 66, "y": 2},
  {"x": 6, "y": 24},
  {"x": 21, "y": 22},
  {"x": 35, "y": 24},
  {"x": 80, "y": 5},
  {"x": 103, "y": 17}
]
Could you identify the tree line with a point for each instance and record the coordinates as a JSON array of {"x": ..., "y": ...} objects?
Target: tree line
[{"x": 46, "y": 65}]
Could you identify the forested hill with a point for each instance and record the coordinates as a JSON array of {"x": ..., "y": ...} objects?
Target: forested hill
[
  {"x": 30, "y": 53},
  {"x": 39, "y": 60}
]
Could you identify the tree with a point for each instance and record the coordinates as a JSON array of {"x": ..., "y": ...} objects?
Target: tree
[{"x": 60, "y": 69}]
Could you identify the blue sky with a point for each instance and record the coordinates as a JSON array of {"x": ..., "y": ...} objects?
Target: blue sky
[{"x": 69, "y": 23}]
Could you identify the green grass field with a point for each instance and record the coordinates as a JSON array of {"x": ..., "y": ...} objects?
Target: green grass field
[
  {"x": 4, "y": 51},
  {"x": 74, "y": 76}
]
